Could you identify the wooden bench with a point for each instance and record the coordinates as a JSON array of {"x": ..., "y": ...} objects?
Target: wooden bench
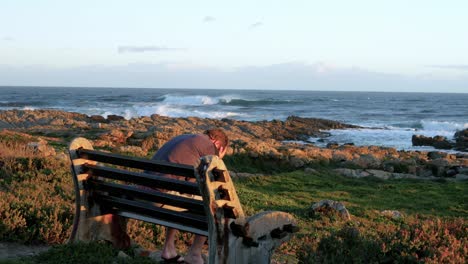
[{"x": 120, "y": 186}]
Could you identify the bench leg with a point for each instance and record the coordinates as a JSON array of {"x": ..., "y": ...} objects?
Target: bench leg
[
  {"x": 90, "y": 223},
  {"x": 106, "y": 227}
]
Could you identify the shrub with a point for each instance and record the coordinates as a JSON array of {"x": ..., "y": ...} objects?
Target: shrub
[{"x": 418, "y": 241}]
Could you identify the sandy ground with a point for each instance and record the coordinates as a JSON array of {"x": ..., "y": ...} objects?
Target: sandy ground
[{"x": 13, "y": 250}]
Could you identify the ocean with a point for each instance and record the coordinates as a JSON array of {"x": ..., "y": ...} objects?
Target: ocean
[{"x": 396, "y": 115}]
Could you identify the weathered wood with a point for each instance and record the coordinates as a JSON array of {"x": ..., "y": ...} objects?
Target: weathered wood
[
  {"x": 219, "y": 220},
  {"x": 136, "y": 192},
  {"x": 106, "y": 196},
  {"x": 181, "y": 220},
  {"x": 234, "y": 239},
  {"x": 90, "y": 223},
  {"x": 144, "y": 179},
  {"x": 137, "y": 163}
]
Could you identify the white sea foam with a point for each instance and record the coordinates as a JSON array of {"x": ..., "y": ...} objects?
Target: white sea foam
[
  {"x": 229, "y": 98},
  {"x": 399, "y": 138},
  {"x": 190, "y": 100},
  {"x": 442, "y": 125}
]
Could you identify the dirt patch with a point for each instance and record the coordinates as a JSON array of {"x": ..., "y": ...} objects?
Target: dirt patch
[{"x": 14, "y": 250}]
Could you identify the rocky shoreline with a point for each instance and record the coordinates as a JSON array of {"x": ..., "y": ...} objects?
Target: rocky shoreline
[{"x": 272, "y": 141}]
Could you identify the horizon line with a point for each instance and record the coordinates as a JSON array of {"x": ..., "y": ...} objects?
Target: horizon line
[{"x": 227, "y": 89}]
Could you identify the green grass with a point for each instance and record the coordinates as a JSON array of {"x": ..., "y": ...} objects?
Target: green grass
[{"x": 297, "y": 191}]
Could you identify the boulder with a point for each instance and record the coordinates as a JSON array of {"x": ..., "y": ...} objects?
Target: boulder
[
  {"x": 98, "y": 119},
  {"x": 366, "y": 161},
  {"x": 461, "y": 177},
  {"x": 437, "y": 155},
  {"x": 392, "y": 214},
  {"x": 296, "y": 162},
  {"x": 349, "y": 173},
  {"x": 384, "y": 175},
  {"x": 420, "y": 140},
  {"x": 112, "y": 118},
  {"x": 439, "y": 166},
  {"x": 133, "y": 149},
  {"x": 116, "y": 136},
  {"x": 309, "y": 170},
  {"x": 341, "y": 156},
  {"x": 330, "y": 205},
  {"x": 42, "y": 148},
  {"x": 461, "y": 140},
  {"x": 438, "y": 142}
]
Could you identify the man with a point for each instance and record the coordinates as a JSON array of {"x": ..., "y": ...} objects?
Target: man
[{"x": 188, "y": 149}]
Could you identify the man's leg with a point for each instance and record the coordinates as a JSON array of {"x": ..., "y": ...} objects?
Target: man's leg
[
  {"x": 194, "y": 254},
  {"x": 169, "y": 250}
]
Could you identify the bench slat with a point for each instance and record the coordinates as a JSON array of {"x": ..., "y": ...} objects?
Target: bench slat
[
  {"x": 186, "y": 220},
  {"x": 146, "y": 179},
  {"x": 170, "y": 224},
  {"x": 137, "y": 163},
  {"x": 136, "y": 192}
]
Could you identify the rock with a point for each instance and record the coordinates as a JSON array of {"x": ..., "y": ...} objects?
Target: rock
[
  {"x": 441, "y": 142},
  {"x": 238, "y": 145},
  {"x": 461, "y": 155},
  {"x": 424, "y": 173},
  {"x": 461, "y": 177},
  {"x": 439, "y": 166},
  {"x": 116, "y": 136},
  {"x": 420, "y": 140},
  {"x": 326, "y": 205},
  {"x": 384, "y": 175},
  {"x": 133, "y": 149},
  {"x": 452, "y": 171},
  {"x": 98, "y": 119},
  {"x": 437, "y": 155},
  {"x": 463, "y": 162},
  {"x": 122, "y": 255},
  {"x": 341, "y": 156},
  {"x": 348, "y": 172},
  {"x": 10, "y": 251},
  {"x": 42, "y": 148},
  {"x": 461, "y": 140},
  {"x": 438, "y": 142},
  {"x": 112, "y": 118},
  {"x": 310, "y": 170},
  {"x": 366, "y": 161},
  {"x": 296, "y": 162},
  {"x": 392, "y": 214},
  {"x": 62, "y": 156}
]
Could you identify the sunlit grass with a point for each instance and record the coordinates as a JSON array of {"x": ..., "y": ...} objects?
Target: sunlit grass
[{"x": 296, "y": 190}]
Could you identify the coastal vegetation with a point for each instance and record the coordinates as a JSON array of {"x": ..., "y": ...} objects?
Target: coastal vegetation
[{"x": 36, "y": 194}]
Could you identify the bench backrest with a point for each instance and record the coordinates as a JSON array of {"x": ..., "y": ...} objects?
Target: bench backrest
[{"x": 123, "y": 185}]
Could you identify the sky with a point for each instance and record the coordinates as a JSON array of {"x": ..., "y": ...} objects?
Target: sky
[{"x": 359, "y": 45}]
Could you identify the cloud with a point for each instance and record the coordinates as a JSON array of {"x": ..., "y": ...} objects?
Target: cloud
[
  {"x": 255, "y": 25},
  {"x": 6, "y": 38},
  {"x": 209, "y": 19},
  {"x": 138, "y": 49},
  {"x": 451, "y": 66}
]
